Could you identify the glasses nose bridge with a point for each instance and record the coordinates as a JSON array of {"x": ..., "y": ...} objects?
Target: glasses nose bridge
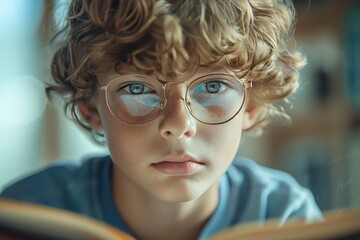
[
  {"x": 174, "y": 83},
  {"x": 169, "y": 83},
  {"x": 165, "y": 100}
]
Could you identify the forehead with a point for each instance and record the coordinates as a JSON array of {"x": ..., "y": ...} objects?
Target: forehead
[{"x": 106, "y": 74}]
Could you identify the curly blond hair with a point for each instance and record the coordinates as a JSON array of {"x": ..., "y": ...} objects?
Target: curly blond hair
[{"x": 249, "y": 37}]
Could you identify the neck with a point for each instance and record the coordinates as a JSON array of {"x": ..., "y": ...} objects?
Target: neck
[{"x": 150, "y": 218}]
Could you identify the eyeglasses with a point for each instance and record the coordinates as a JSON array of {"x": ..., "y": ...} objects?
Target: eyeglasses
[{"x": 211, "y": 99}]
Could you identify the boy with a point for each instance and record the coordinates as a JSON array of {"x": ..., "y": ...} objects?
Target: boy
[{"x": 170, "y": 85}]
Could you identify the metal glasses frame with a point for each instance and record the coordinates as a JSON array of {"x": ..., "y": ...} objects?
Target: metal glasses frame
[{"x": 246, "y": 84}]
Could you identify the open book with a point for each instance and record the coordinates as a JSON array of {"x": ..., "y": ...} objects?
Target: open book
[{"x": 29, "y": 221}]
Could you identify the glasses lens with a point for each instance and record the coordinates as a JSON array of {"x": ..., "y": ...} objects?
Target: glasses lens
[
  {"x": 135, "y": 99},
  {"x": 215, "y": 98}
]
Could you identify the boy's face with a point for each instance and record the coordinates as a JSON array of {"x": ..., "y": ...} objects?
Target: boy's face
[{"x": 174, "y": 157}]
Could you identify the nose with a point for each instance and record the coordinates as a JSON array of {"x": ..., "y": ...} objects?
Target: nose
[{"x": 176, "y": 121}]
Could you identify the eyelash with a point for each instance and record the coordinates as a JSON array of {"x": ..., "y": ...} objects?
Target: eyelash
[{"x": 127, "y": 88}]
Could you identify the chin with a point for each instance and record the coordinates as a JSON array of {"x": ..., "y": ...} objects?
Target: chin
[
  {"x": 181, "y": 192},
  {"x": 178, "y": 198}
]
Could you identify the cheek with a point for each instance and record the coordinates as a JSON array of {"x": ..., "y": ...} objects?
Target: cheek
[
  {"x": 127, "y": 147},
  {"x": 221, "y": 143},
  {"x": 130, "y": 144},
  {"x": 120, "y": 137},
  {"x": 227, "y": 135}
]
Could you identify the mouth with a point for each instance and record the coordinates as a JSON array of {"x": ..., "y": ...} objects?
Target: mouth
[{"x": 183, "y": 165}]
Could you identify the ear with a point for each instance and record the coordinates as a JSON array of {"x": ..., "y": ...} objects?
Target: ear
[
  {"x": 251, "y": 115},
  {"x": 90, "y": 114}
]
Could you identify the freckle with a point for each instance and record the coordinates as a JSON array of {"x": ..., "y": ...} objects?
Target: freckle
[{"x": 217, "y": 112}]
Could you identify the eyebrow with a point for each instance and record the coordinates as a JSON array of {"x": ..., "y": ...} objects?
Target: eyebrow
[{"x": 201, "y": 72}]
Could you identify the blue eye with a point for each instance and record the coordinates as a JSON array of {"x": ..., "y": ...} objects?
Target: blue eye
[
  {"x": 210, "y": 87},
  {"x": 213, "y": 87},
  {"x": 136, "y": 88}
]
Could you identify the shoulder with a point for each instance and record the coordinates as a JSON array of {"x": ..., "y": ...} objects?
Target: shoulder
[
  {"x": 271, "y": 193},
  {"x": 54, "y": 185},
  {"x": 260, "y": 176}
]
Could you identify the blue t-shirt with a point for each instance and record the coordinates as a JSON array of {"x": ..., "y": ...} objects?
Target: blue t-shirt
[{"x": 248, "y": 193}]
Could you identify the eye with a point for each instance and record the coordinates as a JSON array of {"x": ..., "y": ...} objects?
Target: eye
[
  {"x": 212, "y": 87},
  {"x": 136, "y": 88}
]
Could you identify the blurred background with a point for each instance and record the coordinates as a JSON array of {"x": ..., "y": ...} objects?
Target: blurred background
[{"x": 321, "y": 148}]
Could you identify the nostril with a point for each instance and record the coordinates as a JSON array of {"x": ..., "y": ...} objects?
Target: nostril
[{"x": 167, "y": 134}]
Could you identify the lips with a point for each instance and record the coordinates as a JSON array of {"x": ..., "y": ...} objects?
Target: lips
[{"x": 179, "y": 165}]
